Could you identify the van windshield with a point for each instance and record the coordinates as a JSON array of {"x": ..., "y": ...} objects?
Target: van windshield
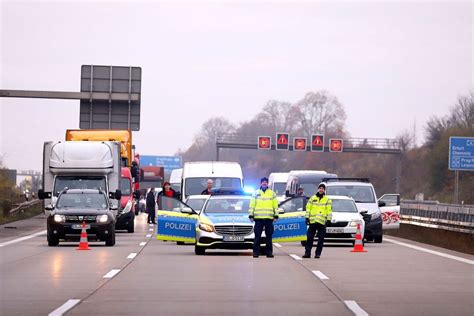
[
  {"x": 279, "y": 188},
  {"x": 78, "y": 182},
  {"x": 194, "y": 186},
  {"x": 360, "y": 194}
]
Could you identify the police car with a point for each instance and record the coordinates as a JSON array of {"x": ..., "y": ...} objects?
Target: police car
[{"x": 223, "y": 223}]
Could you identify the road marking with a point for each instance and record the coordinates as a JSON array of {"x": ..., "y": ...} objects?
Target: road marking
[
  {"x": 320, "y": 275},
  {"x": 143, "y": 243},
  {"x": 111, "y": 274},
  {"x": 151, "y": 225},
  {"x": 277, "y": 245},
  {"x": 14, "y": 241},
  {"x": 132, "y": 255},
  {"x": 148, "y": 236},
  {"x": 295, "y": 257},
  {"x": 355, "y": 308},
  {"x": 65, "y": 307},
  {"x": 441, "y": 254},
  {"x": 151, "y": 229}
]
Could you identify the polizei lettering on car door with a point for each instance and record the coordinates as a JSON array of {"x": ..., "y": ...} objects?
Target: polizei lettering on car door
[
  {"x": 179, "y": 226},
  {"x": 292, "y": 226}
]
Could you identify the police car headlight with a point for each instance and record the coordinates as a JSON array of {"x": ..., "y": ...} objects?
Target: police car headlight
[
  {"x": 59, "y": 218},
  {"x": 102, "y": 218},
  {"x": 375, "y": 215},
  {"x": 206, "y": 227},
  {"x": 127, "y": 207}
]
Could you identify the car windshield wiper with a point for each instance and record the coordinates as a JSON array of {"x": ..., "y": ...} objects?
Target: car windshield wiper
[{"x": 358, "y": 201}]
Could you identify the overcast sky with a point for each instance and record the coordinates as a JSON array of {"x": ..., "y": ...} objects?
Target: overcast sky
[{"x": 389, "y": 63}]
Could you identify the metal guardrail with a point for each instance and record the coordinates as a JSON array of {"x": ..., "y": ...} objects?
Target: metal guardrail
[
  {"x": 458, "y": 218},
  {"x": 23, "y": 206}
]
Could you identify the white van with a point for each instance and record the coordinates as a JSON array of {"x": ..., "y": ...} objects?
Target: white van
[
  {"x": 175, "y": 179},
  {"x": 224, "y": 174},
  {"x": 277, "y": 183}
]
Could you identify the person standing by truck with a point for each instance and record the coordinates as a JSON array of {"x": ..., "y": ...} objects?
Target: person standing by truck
[
  {"x": 150, "y": 206},
  {"x": 263, "y": 209}
]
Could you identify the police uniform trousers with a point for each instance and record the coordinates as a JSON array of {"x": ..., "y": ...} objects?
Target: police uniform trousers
[
  {"x": 260, "y": 224},
  {"x": 312, "y": 229}
]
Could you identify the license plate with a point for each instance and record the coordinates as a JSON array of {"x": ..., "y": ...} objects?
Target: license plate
[
  {"x": 234, "y": 238},
  {"x": 335, "y": 230},
  {"x": 79, "y": 226}
]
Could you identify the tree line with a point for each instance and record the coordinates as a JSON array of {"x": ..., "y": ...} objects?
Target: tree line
[{"x": 424, "y": 168}]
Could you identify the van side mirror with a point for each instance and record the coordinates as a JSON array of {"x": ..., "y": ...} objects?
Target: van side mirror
[
  {"x": 382, "y": 204},
  {"x": 117, "y": 195},
  {"x": 43, "y": 195}
]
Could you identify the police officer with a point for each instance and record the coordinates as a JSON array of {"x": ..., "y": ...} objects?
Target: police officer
[
  {"x": 263, "y": 209},
  {"x": 318, "y": 214}
]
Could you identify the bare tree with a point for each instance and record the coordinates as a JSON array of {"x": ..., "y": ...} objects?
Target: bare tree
[
  {"x": 213, "y": 127},
  {"x": 278, "y": 116},
  {"x": 320, "y": 112},
  {"x": 462, "y": 114},
  {"x": 406, "y": 140}
]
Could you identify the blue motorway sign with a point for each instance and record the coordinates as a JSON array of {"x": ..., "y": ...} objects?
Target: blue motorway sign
[
  {"x": 461, "y": 153},
  {"x": 169, "y": 162}
]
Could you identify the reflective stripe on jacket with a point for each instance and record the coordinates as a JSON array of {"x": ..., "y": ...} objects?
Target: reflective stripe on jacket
[
  {"x": 319, "y": 210},
  {"x": 263, "y": 205}
]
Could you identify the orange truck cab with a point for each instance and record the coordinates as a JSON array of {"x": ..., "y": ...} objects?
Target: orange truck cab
[{"x": 126, "y": 214}]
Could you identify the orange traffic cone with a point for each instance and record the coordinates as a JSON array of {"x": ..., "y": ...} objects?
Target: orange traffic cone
[
  {"x": 358, "y": 245},
  {"x": 83, "y": 243}
]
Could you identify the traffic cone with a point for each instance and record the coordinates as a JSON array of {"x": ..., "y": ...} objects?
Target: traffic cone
[
  {"x": 83, "y": 243},
  {"x": 358, "y": 245}
]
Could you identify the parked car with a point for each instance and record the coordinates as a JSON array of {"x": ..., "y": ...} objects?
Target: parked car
[{"x": 76, "y": 206}]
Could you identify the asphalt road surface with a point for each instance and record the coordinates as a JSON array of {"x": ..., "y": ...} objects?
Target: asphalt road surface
[{"x": 143, "y": 276}]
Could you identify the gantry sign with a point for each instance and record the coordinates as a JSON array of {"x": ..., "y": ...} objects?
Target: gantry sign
[{"x": 283, "y": 142}]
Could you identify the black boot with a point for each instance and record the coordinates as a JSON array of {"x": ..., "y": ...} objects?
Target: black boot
[{"x": 306, "y": 256}]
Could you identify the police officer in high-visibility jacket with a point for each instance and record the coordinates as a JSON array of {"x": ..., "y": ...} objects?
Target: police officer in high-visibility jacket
[
  {"x": 263, "y": 209},
  {"x": 318, "y": 214}
]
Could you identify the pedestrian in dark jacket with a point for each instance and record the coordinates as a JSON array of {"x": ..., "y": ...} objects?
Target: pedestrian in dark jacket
[
  {"x": 169, "y": 194},
  {"x": 150, "y": 206}
]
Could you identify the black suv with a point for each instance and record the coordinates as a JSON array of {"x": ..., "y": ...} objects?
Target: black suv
[{"x": 74, "y": 207}]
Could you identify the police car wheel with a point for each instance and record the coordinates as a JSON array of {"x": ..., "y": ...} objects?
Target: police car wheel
[
  {"x": 180, "y": 243},
  {"x": 199, "y": 250}
]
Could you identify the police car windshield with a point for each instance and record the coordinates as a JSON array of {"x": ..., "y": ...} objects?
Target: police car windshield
[
  {"x": 343, "y": 206},
  {"x": 230, "y": 205},
  {"x": 279, "y": 188},
  {"x": 196, "y": 204},
  {"x": 80, "y": 200},
  {"x": 360, "y": 193}
]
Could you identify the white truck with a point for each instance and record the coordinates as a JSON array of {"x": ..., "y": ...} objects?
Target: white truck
[
  {"x": 224, "y": 174},
  {"x": 81, "y": 165}
]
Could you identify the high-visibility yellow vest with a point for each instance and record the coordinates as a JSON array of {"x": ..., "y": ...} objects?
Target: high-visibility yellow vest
[
  {"x": 319, "y": 210},
  {"x": 263, "y": 205}
]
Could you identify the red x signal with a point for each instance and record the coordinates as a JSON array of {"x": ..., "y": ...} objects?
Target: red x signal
[
  {"x": 336, "y": 145},
  {"x": 264, "y": 142}
]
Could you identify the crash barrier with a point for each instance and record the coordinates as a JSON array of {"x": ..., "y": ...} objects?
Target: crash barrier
[
  {"x": 23, "y": 206},
  {"x": 452, "y": 217}
]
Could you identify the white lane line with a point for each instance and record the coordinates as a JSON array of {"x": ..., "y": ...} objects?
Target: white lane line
[
  {"x": 111, "y": 274},
  {"x": 132, "y": 255},
  {"x": 320, "y": 275},
  {"x": 295, "y": 257},
  {"x": 148, "y": 236},
  {"x": 14, "y": 241},
  {"x": 65, "y": 307},
  {"x": 441, "y": 254},
  {"x": 143, "y": 243},
  {"x": 355, "y": 308},
  {"x": 277, "y": 245},
  {"x": 151, "y": 225},
  {"x": 151, "y": 229}
]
